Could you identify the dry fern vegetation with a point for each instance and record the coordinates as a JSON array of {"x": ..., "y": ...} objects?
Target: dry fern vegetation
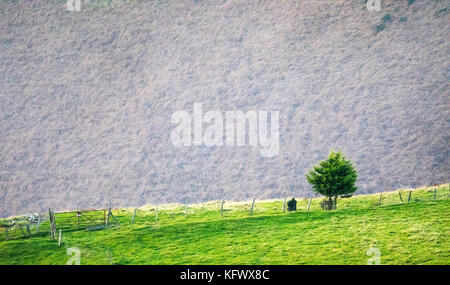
[{"x": 86, "y": 98}]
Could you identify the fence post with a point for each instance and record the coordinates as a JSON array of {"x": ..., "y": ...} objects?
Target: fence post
[
  {"x": 309, "y": 203},
  {"x": 111, "y": 214},
  {"x": 409, "y": 196},
  {"x": 134, "y": 214},
  {"x": 52, "y": 223},
  {"x": 38, "y": 223},
  {"x": 400, "y": 194},
  {"x": 23, "y": 233},
  {"x": 221, "y": 208},
  {"x": 434, "y": 193},
  {"x": 28, "y": 230},
  {"x": 107, "y": 216},
  {"x": 50, "y": 220},
  {"x": 7, "y": 235},
  {"x": 284, "y": 205},
  {"x": 379, "y": 201},
  {"x": 253, "y": 205},
  {"x": 59, "y": 238}
]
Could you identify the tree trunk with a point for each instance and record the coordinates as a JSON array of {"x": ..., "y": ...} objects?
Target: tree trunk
[
  {"x": 330, "y": 203},
  {"x": 335, "y": 202}
]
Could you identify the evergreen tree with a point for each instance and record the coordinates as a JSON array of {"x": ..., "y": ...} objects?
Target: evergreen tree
[{"x": 332, "y": 177}]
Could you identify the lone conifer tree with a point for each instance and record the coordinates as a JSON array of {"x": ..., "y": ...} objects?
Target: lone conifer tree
[{"x": 332, "y": 177}]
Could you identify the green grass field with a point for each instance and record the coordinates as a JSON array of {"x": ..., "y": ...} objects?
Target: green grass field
[{"x": 405, "y": 233}]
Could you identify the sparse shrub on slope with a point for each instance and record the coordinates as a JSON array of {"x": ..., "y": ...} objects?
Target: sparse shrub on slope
[
  {"x": 386, "y": 18},
  {"x": 292, "y": 205},
  {"x": 440, "y": 12},
  {"x": 379, "y": 27}
]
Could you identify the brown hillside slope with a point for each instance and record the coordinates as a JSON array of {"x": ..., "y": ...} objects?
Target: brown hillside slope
[{"x": 86, "y": 97}]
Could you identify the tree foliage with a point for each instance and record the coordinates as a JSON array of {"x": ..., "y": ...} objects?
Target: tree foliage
[{"x": 333, "y": 176}]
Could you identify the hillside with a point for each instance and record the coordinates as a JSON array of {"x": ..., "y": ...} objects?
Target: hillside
[
  {"x": 404, "y": 233},
  {"x": 86, "y": 98}
]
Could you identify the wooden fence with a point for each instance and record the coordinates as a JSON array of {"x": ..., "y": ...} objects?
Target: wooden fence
[{"x": 56, "y": 223}]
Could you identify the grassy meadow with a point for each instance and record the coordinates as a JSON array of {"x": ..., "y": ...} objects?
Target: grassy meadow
[{"x": 405, "y": 233}]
